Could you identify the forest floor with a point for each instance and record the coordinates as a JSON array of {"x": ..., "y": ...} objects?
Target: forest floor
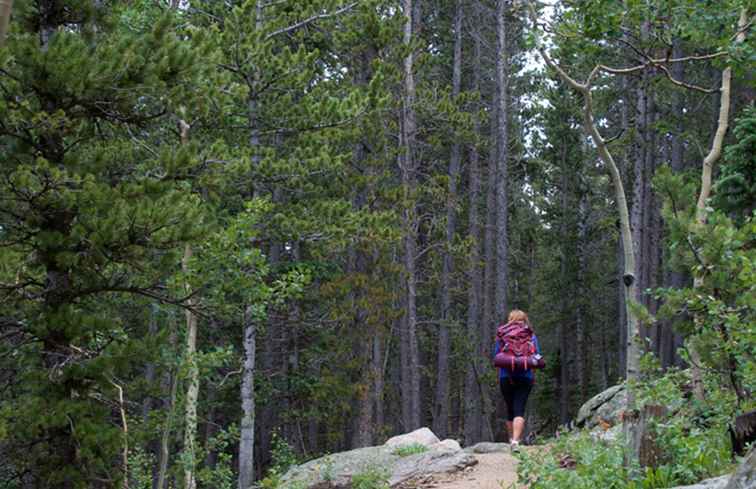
[{"x": 493, "y": 471}]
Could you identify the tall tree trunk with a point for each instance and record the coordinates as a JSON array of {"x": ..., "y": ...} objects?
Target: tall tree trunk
[
  {"x": 629, "y": 279},
  {"x": 564, "y": 357},
  {"x": 190, "y": 352},
  {"x": 247, "y": 435},
  {"x": 706, "y": 176},
  {"x": 670, "y": 338},
  {"x": 502, "y": 167},
  {"x": 583, "y": 351},
  {"x": 441, "y": 411},
  {"x": 192, "y": 391},
  {"x": 6, "y": 6},
  {"x": 410, "y": 364},
  {"x": 472, "y": 404},
  {"x": 170, "y": 384}
]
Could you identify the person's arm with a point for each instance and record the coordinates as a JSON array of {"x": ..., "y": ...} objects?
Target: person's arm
[
  {"x": 537, "y": 344},
  {"x": 495, "y": 349}
]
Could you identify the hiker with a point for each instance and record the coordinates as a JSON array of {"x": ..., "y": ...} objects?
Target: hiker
[{"x": 516, "y": 354}]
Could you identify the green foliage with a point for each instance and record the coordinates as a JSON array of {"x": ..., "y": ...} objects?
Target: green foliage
[
  {"x": 412, "y": 449},
  {"x": 692, "y": 440},
  {"x": 722, "y": 310},
  {"x": 221, "y": 475},
  {"x": 597, "y": 464},
  {"x": 372, "y": 478},
  {"x": 735, "y": 189},
  {"x": 283, "y": 455}
]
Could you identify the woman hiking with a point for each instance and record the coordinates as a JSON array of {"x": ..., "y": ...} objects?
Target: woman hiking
[{"x": 516, "y": 354}]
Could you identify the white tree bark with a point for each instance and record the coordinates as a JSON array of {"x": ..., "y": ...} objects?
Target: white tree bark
[
  {"x": 190, "y": 352},
  {"x": 707, "y": 169},
  {"x": 247, "y": 435}
]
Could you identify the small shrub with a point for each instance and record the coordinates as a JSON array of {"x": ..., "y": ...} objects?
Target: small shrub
[
  {"x": 282, "y": 454},
  {"x": 372, "y": 478},
  {"x": 412, "y": 449}
]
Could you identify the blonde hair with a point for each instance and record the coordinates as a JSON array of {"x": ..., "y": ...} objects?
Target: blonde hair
[{"x": 518, "y": 316}]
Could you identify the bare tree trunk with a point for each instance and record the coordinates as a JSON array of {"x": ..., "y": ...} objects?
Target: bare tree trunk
[
  {"x": 490, "y": 320},
  {"x": 706, "y": 173},
  {"x": 502, "y": 167},
  {"x": 583, "y": 352},
  {"x": 192, "y": 392},
  {"x": 564, "y": 357},
  {"x": 629, "y": 279},
  {"x": 411, "y": 365},
  {"x": 441, "y": 411},
  {"x": 670, "y": 338},
  {"x": 6, "y": 6},
  {"x": 472, "y": 404},
  {"x": 247, "y": 434},
  {"x": 170, "y": 382},
  {"x": 376, "y": 393}
]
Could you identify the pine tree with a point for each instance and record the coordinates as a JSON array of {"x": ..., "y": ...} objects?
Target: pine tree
[{"x": 95, "y": 210}]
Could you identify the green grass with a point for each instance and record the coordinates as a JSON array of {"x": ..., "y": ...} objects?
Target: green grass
[{"x": 412, "y": 449}]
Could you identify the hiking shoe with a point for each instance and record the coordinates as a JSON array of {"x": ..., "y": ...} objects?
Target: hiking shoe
[{"x": 514, "y": 445}]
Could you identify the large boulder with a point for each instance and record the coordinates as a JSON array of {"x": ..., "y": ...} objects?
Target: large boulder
[
  {"x": 336, "y": 471},
  {"x": 422, "y": 436},
  {"x": 604, "y": 407}
]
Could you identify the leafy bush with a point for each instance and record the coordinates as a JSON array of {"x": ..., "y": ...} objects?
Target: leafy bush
[
  {"x": 692, "y": 440},
  {"x": 372, "y": 478},
  {"x": 595, "y": 465},
  {"x": 411, "y": 449}
]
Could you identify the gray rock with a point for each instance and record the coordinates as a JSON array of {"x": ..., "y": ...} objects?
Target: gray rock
[
  {"x": 745, "y": 476},
  {"x": 605, "y": 405},
  {"x": 715, "y": 483},
  {"x": 422, "y": 436},
  {"x": 488, "y": 447},
  {"x": 336, "y": 471},
  {"x": 448, "y": 445}
]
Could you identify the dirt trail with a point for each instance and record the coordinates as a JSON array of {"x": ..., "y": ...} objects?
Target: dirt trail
[{"x": 493, "y": 471}]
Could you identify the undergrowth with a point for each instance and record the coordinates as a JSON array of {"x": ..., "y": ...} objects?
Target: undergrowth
[{"x": 692, "y": 440}]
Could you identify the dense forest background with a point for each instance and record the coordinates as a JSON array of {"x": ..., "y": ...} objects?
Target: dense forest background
[{"x": 238, "y": 231}]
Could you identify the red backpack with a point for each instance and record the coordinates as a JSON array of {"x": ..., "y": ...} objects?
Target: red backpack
[{"x": 517, "y": 349}]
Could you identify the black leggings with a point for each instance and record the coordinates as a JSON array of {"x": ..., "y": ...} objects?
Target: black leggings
[{"x": 515, "y": 392}]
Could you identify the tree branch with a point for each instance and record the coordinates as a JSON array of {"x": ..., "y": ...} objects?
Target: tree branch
[{"x": 312, "y": 19}]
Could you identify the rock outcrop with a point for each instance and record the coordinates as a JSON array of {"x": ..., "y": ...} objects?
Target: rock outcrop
[
  {"x": 714, "y": 483},
  {"x": 337, "y": 471},
  {"x": 604, "y": 407}
]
